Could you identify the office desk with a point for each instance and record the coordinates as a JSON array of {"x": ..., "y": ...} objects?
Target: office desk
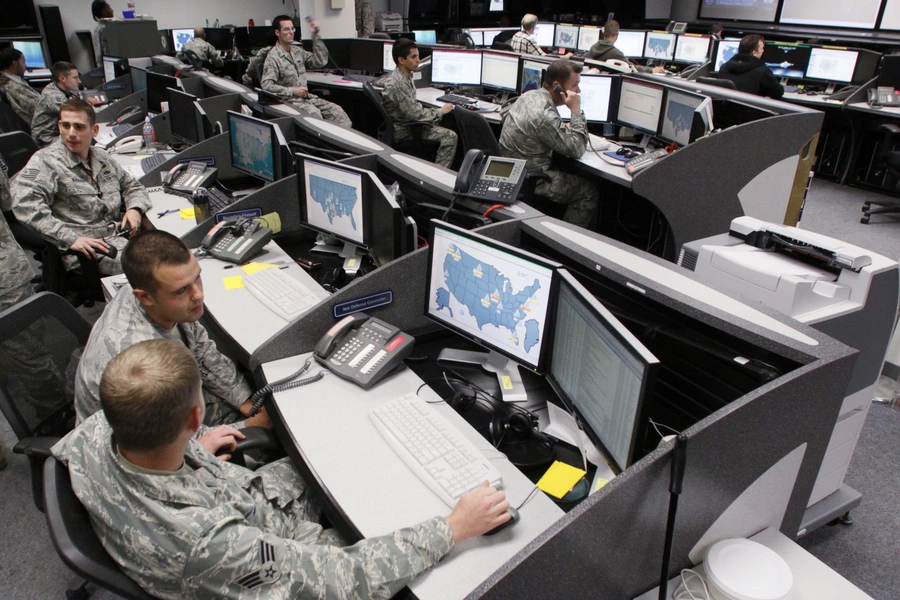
[
  {"x": 330, "y": 432},
  {"x": 864, "y": 119},
  {"x": 429, "y": 96},
  {"x": 171, "y": 222}
]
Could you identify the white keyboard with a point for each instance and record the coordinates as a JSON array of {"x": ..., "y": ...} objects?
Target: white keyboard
[
  {"x": 280, "y": 292},
  {"x": 440, "y": 456}
]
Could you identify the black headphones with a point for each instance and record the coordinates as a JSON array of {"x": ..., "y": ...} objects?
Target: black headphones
[{"x": 517, "y": 429}]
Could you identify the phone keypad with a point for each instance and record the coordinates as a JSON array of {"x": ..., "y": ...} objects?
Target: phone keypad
[
  {"x": 348, "y": 349},
  {"x": 502, "y": 191}
]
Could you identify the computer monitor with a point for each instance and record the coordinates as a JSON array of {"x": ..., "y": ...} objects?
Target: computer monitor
[
  {"x": 600, "y": 370},
  {"x": 488, "y": 36},
  {"x": 138, "y": 79},
  {"x": 366, "y": 55},
  {"x": 787, "y": 60},
  {"x": 725, "y": 49},
  {"x": 388, "y": 63},
  {"x": 257, "y": 147},
  {"x": 180, "y": 37},
  {"x": 425, "y": 36},
  {"x": 220, "y": 37},
  {"x": 34, "y": 53},
  {"x": 692, "y": 48},
  {"x": 832, "y": 65},
  {"x": 566, "y": 36},
  {"x": 332, "y": 199},
  {"x": 596, "y": 96},
  {"x": 659, "y": 45},
  {"x": 183, "y": 117},
  {"x": 640, "y": 105},
  {"x": 158, "y": 90},
  {"x": 678, "y": 116},
  {"x": 495, "y": 295},
  {"x": 531, "y": 75},
  {"x": 545, "y": 34},
  {"x": 114, "y": 67},
  {"x": 631, "y": 43},
  {"x": 499, "y": 70},
  {"x": 476, "y": 35},
  {"x": 456, "y": 67},
  {"x": 588, "y": 36},
  {"x": 495, "y": 6}
]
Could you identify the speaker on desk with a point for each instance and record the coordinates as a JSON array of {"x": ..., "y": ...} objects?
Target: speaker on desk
[{"x": 54, "y": 33}]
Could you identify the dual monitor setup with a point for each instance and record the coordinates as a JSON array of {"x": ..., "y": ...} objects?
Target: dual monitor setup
[
  {"x": 532, "y": 314},
  {"x": 801, "y": 61}
]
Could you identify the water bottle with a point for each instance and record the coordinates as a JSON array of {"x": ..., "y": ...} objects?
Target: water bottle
[
  {"x": 149, "y": 136},
  {"x": 200, "y": 199}
]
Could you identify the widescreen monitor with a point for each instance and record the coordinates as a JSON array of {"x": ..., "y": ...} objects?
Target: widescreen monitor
[
  {"x": 256, "y": 146},
  {"x": 499, "y": 70},
  {"x": 499, "y": 296},
  {"x": 477, "y": 36},
  {"x": 725, "y": 49},
  {"x": 596, "y": 96},
  {"x": 158, "y": 90},
  {"x": 600, "y": 370},
  {"x": 545, "y": 34},
  {"x": 138, "y": 79},
  {"x": 831, "y": 13},
  {"x": 640, "y": 105},
  {"x": 659, "y": 45},
  {"x": 741, "y": 10},
  {"x": 183, "y": 117},
  {"x": 692, "y": 48},
  {"x": 456, "y": 67},
  {"x": 531, "y": 75},
  {"x": 388, "y": 63},
  {"x": 588, "y": 36},
  {"x": 631, "y": 43},
  {"x": 332, "y": 199},
  {"x": 832, "y": 65},
  {"x": 786, "y": 60},
  {"x": 366, "y": 55},
  {"x": 180, "y": 37},
  {"x": 34, "y": 53},
  {"x": 425, "y": 36},
  {"x": 678, "y": 116},
  {"x": 566, "y": 36}
]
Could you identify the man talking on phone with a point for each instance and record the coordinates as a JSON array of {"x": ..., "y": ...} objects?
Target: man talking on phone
[{"x": 533, "y": 130}]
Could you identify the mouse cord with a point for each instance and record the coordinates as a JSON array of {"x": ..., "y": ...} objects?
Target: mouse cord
[{"x": 527, "y": 498}]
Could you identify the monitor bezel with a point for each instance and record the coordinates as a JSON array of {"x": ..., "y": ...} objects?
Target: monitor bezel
[
  {"x": 197, "y": 133},
  {"x": 276, "y": 138},
  {"x": 437, "y": 52},
  {"x": 643, "y": 44},
  {"x": 511, "y": 55},
  {"x": 646, "y": 84},
  {"x": 613, "y": 106},
  {"x": 852, "y": 75}
]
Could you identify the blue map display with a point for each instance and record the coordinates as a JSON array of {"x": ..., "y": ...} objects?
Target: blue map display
[
  {"x": 182, "y": 38},
  {"x": 566, "y": 39},
  {"x": 659, "y": 47},
  {"x": 336, "y": 199},
  {"x": 488, "y": 295},
  {"x": 679, "y": 117},
  {"x": 727, "y": 53}
]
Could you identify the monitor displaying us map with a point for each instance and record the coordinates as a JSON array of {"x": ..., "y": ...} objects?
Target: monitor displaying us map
[
  {"x": 334, "y": 200},
  {"x": 252, "y": 149},
  {"x": 489, "y": 293}
]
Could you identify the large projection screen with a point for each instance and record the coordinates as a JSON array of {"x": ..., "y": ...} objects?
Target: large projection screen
[
  {"x": 831, "y": 13},
  {"x": 740, "y": 10},
  {"x": 891, "y": 17}
]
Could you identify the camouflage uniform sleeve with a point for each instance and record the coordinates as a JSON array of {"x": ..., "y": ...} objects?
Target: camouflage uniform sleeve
[
  {"x": 220, "y": 374},
  {"x": 238, "y": 561},
  {"x": 134, "y": 195},
  {"x": 271, "y": 75},
  {"x": 319, "y": 56},
  {"x": 212, "y": 55},
  {"x": 368, "y": 20},
  {"x": 33, "y": 191},
  {"x": 571, "y": 142},
  {"x": 403, "y": 105},
  {"x": 5, "y": 194}
]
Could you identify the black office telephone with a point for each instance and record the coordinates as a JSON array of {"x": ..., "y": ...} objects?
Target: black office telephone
[
  {"x": 236, "y": 240},
  {"x": 494, "y": 179},
  {"x": 129, "y": 114},
  {"x": 363, "y": 349},
  {"x": 99, "y": 96},
  {"x": 883, "y": 96},
  {"x": 186, "y": 177}
]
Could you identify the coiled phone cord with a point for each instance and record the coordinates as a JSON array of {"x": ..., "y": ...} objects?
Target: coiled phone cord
[{"x": 282, "y": 385}]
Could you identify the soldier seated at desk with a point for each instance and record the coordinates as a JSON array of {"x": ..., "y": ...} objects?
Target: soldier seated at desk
[
  {"x": 22, "y": 97},
  {"x": 203, "y": 49},
  {"x": 185, "y": 525}
]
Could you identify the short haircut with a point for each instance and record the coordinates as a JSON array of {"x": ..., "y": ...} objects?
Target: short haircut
[
  {"x": 147, "y": 393},
  {"x": 8, "y": 56},
  {"x": 199, "y": 32},
  {"x": 402, "y": 48},
  {"x": 560, "y": 70},
  {"x": 529, "y": 21},
  {"x": 716, "y": 28},
  {"x": 100, "y": 8},
  {"x": 149, "y": 250},
  {"x": 61, "y": 69},
  {"x": 276, "y": 22},
  {"x": 611, "y": 29},
  {"x": 749, "y": 43},
  {"x": 79, "y": 105}
]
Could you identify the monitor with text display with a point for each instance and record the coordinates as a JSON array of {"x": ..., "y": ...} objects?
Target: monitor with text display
[
  {"x": 832, "y": 65},
  {"x": 499, "y": 70},
  {"x": 640, "y": 105},
  {"x": 588, "y": 36},
  {"x": 659, "y": 46},
  {"x": 739, "y": 10},
  {"x": 566, "y": 36},
  {"x": 692, "y": 48},
  {"x": 456, "y": 67},
  {"x": 388, "y": 62},
  {"x": 725, "y": 49},
  {"x": 33, "y": 52},
  {"x": 476, "y": 35},
  {"x": 786, "y": 60},
  {"x": 631, "y": 43},
  {"x": 596, "y": 95},
  {"x": 545, "y": 34}
]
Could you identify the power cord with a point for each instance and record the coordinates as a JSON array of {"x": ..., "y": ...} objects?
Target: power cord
[
  {"x": 685, "y": 592},
  {"x": 282, "y": 385}
]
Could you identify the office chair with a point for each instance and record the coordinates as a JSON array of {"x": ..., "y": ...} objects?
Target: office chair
[
  {"x": 417, "y": 146},
  {"x": 195, "y": 61},
  {"x": 379, "y": 35},
  {"x": 724, "y": 83},
  {"x": 889, "y": 160},
  {"x": 16, "y": 147},
  {"x": 467, "y": 41},
  {"x": 495, "y": 45},
  {"x": 78, "y": 287},
  {"x": 9, "y": 120}
]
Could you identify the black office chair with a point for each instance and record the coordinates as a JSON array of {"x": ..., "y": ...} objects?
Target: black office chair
[
  {"x": 889, "y": 161},
  {"x": 193, "y": 59},
  {"x": 724, "y": 83},
  {"x": 417, "y": 146},
  {"x": 379, "y": 35},
  {"x": 467, "y": 40},
  {"x": 17, "y": 147},
  {"x": 9, "y": 120},
  {"x": 495, "y": 45}
]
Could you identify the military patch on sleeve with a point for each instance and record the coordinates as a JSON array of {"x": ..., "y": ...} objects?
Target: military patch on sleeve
[
  {"x": 266, "y": 574},
  {"x": 29, "y": 174}
]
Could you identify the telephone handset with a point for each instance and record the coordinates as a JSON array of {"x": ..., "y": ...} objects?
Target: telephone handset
[
  {"x": 493, "y": 179},
  {"x": 186, "y": 177},
  {"x": 236, "y": 240},
  {"x": 883, "y": 96},
  {"x": 363, "y": 349},
  {"x": 129, "y": 114}
]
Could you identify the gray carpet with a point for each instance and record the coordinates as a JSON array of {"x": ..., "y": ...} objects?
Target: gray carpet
[{"x": 865, "y": 552}]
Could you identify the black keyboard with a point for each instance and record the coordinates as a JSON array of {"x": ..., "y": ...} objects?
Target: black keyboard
[
  {"x": 149, "y": 163},
  {"x": 457, "y": 100},
  {"x": 218, "y": 200},
  {"x": 120, "y": 130}
]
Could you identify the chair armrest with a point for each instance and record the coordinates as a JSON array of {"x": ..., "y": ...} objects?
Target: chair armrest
[
  {"x": 320, "y": 92},
  {"x": 36, "y": 446},
  {"x": 257, "y": 438},
  {"x": 537, "y": 175}
]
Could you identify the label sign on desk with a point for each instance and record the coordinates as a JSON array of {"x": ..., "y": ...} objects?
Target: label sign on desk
[
  {"x": 108, "y": 87},
  {"x": 365, "y": 303},
  {"x": 247, "y": 213}
]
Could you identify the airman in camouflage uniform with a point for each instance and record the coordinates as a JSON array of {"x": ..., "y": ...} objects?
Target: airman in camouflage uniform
[
  {"x": 252, "y": 77},
  {"x": 44, "y": 128},
  {"x": 365, "y": 19},
  {"x": 533, "y": 130},
  {"x": 399, "y": 100},
  {"x": 69, "y": 199},
  {"x": 22, "y": 97},
  {"x": 197, "y": 527},
  {"x": 203, "y": 49},
  {"x": 284, "y": 74}
]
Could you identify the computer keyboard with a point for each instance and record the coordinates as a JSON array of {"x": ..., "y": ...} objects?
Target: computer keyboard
[
  {"x": 148, "y": 163},
  {"x": 457, "y": 100},
  {"x": 280, "y": 292},
  {"x": 440, "y": 456},
  {"x": 120, "y": 130},
  {"x": 218, "y": 200}
]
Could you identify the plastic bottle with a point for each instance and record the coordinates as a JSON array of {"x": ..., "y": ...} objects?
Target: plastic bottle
[
  {"x": 250, "y": 23},
  {"x": 149, "y": 136}
]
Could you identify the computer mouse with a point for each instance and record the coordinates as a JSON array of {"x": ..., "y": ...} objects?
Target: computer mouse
[{"x": 513, "y": 519}]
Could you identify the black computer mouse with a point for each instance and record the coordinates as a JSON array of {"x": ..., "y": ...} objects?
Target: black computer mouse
[{"x": 513, "y": 519}]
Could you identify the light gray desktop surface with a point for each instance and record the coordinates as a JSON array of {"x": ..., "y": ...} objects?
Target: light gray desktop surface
[
  {"x": 331, "y": 130},
  {"x": 171, "y": 222},
  {"x": 429, "y": 96},
  {"x": 132, "y": 162},
  {"x": 328, "y": 422}
]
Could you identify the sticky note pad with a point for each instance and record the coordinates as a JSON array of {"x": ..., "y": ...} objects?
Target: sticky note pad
[
  {"x": 600, "y": 483},
  {"x": 187, "y": 213},
  {"x": 559, "y": 479},
  {"x": 254, "y": 267},
  {"x": 235, "y": 282}
]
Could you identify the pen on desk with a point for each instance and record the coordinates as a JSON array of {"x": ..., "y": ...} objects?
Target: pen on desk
[
  {"x": 229, "y": 267},
  {"x": 165, "y": 212}
]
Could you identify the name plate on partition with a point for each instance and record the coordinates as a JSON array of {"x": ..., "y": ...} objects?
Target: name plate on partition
[
  {"x": 365, "y": 303},
  {"x": 207, "y": 160},
  {"x": 108, "y": 87},
  {"x": 247, "y": 213}
]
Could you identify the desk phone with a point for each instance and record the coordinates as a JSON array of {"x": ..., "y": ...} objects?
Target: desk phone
[
  {"x": 883, "y": 96},
  {"x": 490, "y": 178},
  {"x": 363, "y": 349},
  {"x": 188, "y": 176},
  {"x": 237, "y": 240}
]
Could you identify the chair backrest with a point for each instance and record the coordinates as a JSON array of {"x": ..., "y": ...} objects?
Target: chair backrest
[
  {"x": 467, "y": 40},
  {"x": 497, "y": 45},
  {"x": 194, "y": 60},
  {"x": 75, "y": 540},
  {"x": 10, "y": 121},
  {"x": 475, "y": 132},
  {"x": 38, "y": 339},
  {"x": 725, "y": 83},
  {"x": 386, "y": 131},
  {"x": 16, "y": 148},
  {"x": 379, "y": 35}
]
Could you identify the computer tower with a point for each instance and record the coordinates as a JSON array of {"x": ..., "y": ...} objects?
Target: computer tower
[{"x": 54, "y": 33}]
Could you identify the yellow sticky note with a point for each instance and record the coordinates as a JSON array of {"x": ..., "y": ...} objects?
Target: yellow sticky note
[
  {"x": 600, "y": 483},
  {"x": 559, "y": 479},
  {"x": 235, "y": 282},
  {"x": 506, "y": 382},
  {"x": 187, "y": 213},
  {"x": 254, "y": 267}
]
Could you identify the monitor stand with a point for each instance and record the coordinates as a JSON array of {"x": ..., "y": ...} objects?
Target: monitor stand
[
  {"x": 351, "y": 253},
  {"x": 645, "y": 141},
  {"x": 511, "y": 387}
]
